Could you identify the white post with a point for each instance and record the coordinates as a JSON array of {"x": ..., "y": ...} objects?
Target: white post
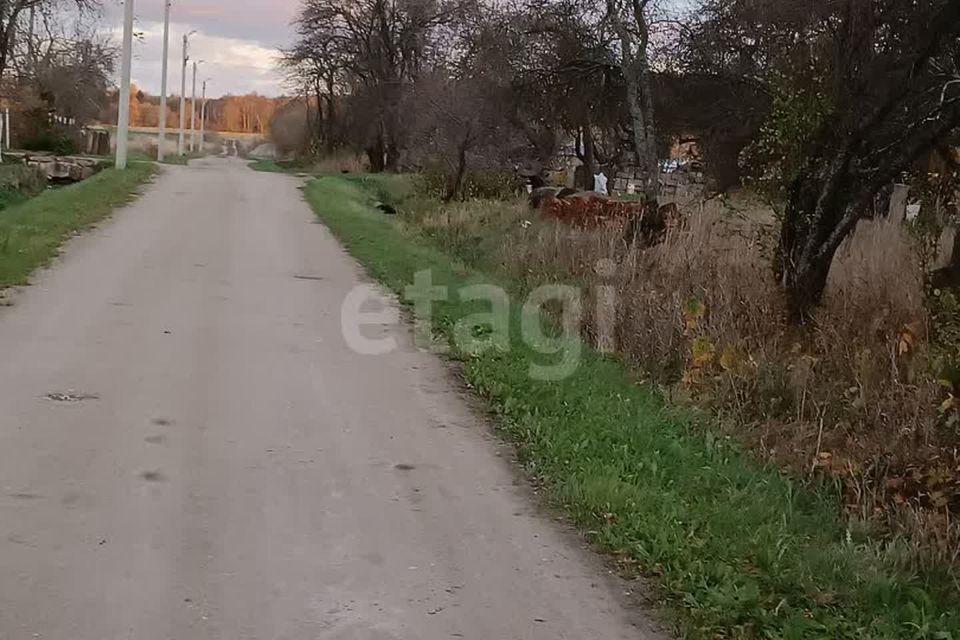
[
  {"x": 193, "y": 111},
  {"x": 183, "y": 97},
  {"x": 162, "y": 138},
  {"x": 203, "y": 115},
  {"x": 7, "y": 127},
  {"x": 123, "y": 114}
]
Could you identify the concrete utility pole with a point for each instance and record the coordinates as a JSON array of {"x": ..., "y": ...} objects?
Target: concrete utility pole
[
  {"x": 162, "y": 138},
  {"x": 123, "y": 115},
  {"x": 203, "y": 114},
  {"x": 193, "y": 110},
  {"x": 183, "y": 95}
]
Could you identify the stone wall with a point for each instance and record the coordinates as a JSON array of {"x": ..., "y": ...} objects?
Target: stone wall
[{"x": 676, "y": 185}]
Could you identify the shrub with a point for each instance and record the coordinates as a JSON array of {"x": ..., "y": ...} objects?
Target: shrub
[
  {"x": 477, "y": 185},
  {"x": 55, "y": 139},
  {"x": 19, "y": 182},
  {"x": 339, "y": 162}
]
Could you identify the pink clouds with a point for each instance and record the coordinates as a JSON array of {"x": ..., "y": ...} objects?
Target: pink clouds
[
  {"x": 239, "y": 38},
  {"x": 266, "y": 22}
]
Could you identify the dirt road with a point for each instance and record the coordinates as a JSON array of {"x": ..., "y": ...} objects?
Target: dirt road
[{"x": 188, "y": 450}]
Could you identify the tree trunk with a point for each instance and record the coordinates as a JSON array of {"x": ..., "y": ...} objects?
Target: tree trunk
[
  {"x": 392, "y": 163},
  {"x": 589, "y": 158},
  {"x": 832, "y": 194},
  {"x": 949, "y": 276},
  {"x": 331, "y": 116},
  {"x": 636, "y": 74},
  {"x": 455, "y": 183},
  {"x": 376, "y": 156},
  {"x": 650, "y": 161},
  {"x": 803, "y": 274},
  {"x": 804, "y": 288},
  {"x": 321, "y": 121},
  {"x": 311, "y": 133},
  {"x": 819, "y": 198},
  {"x": 7, "y": 30},
  {"x": 955, "y": 259}
]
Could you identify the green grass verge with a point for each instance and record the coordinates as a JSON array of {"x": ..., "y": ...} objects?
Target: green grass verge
[
  {"x": 269, "y": 166},
  {"x": 734, "y": 549},
  {"x": 137, "y": 157},
  {"x": 133, "y": 156},
  {"x": 32, "y": 232},
  {"x": 11, "y": 198}
]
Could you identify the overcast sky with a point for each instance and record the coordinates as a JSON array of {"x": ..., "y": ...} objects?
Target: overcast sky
[{"x": 238, "y": 39}]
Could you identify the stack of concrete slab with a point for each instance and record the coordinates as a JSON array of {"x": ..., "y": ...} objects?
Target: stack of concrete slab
[{"x": 58, "y": 168}]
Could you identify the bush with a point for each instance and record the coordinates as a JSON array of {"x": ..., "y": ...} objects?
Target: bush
[
  {"x": 477, "y": 185},
  {"x": 339, "y": 162},
  {"x": 57, "y": 140},
  {"x": 945, "y": 306},
  {"x": 19, "y": 182}
]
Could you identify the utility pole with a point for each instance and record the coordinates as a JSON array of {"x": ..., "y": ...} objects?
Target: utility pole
[
  {"x": 183, "y": 95},
  {"x": 123, "y": 116},
  {"x": 162, "y": 139},
  {"x": 193, "y": 109},
  {"x": 203, "y": 114}
]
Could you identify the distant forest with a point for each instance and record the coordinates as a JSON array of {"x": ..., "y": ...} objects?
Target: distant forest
[{"x": 240, "y": 114}]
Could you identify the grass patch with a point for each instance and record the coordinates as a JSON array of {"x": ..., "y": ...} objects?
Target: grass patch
[
  {"x": 737, "y": 550},
  {"x": 336, "y": 164},
  {"x": 270, "y": 166},
  {"x": 19, "y": 183},
  {"x": 132, "y": 156},
  {"x": 32, "y": 232},
  {"x": 297, "y": 165},
  {"x": 138, "y": 157},
  {"x": 183, "y": 160},
  {"x": 11, "y": 197}
]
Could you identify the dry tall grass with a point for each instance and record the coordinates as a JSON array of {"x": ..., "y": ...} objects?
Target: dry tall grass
[
  {"x": 853, "y": 396},
  {"x": 340, "y": 162}
]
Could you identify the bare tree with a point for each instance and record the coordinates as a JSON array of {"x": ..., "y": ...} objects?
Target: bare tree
[
  {"x": 74, "y": 77},
  {"x": 630, "y": 22},
  {"x": 290, "y": 127},
  {"x": 316, "y": 66},
  {"x": 460, "y": 124},
  {"x": 567, "y": 76},
  {"x": 857, "y": 90},
  {"x": 380, "y": 47},
  {"x": 14, "y": 20},
  {"x": 890, "y": 74}
]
